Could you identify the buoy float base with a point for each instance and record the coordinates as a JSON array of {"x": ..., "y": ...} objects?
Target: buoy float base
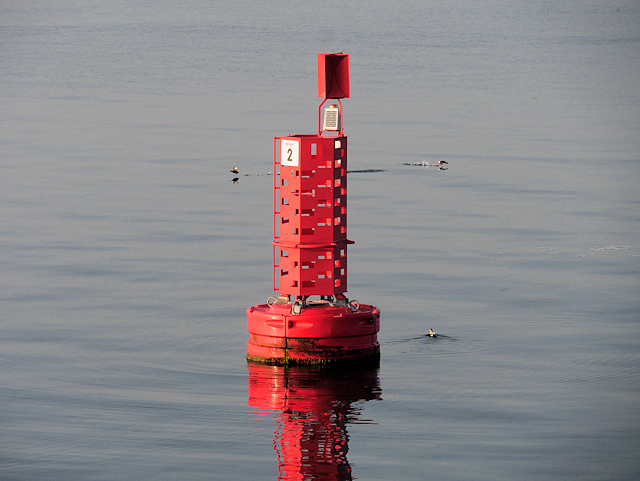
[{"x": 320, "y": 333}]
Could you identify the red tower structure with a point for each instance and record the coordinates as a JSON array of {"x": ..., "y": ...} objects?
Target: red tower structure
[{"x": 310, "y": 246}]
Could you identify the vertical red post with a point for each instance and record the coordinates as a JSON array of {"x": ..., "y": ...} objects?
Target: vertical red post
[{"x": 310, "y": 246}]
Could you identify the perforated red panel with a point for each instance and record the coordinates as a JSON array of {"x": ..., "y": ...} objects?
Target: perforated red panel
[{"x": 310, "y": 215}]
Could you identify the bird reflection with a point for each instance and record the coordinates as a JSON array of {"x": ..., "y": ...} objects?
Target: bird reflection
[{"x": 311, "y": 439}]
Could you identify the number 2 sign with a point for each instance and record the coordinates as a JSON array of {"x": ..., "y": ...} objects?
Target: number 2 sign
[{"x": 290, "y": 152}]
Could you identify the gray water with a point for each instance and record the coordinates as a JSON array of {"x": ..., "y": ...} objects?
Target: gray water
[{"x": 128, "y": 257}]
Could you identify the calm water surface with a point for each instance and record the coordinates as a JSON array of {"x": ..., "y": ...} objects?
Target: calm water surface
[{"x": 128, "y": 256}]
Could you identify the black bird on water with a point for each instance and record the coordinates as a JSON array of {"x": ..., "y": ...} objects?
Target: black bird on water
[
  {"x": 432, "y": 334},
  {"x": 234, "y": 170}
]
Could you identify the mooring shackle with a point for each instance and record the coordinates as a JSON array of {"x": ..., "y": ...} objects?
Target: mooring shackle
[
  {"x": 272, "y": 299},
  {"x": 296, "y": 309},
  {"x": 354, "y": 306}
]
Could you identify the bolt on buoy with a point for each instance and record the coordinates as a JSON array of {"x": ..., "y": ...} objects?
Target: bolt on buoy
[{"x": 310, "y": 246}]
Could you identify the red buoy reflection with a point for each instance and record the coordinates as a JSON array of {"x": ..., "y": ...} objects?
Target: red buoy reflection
[{"x": 311, "y": 439}]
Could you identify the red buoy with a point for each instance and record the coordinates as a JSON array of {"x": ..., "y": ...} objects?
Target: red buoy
[{"x": 310, "y": 246}]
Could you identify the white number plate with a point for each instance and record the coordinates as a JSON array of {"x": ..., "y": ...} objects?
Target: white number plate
[{"x": 290, "y": 152}]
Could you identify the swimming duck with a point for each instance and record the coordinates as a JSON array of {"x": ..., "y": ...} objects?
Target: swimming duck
[
  {"x": 432, "y": 334},
  {"x": 424, "y": 163},
  {"x": 234, "y": 170}
]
